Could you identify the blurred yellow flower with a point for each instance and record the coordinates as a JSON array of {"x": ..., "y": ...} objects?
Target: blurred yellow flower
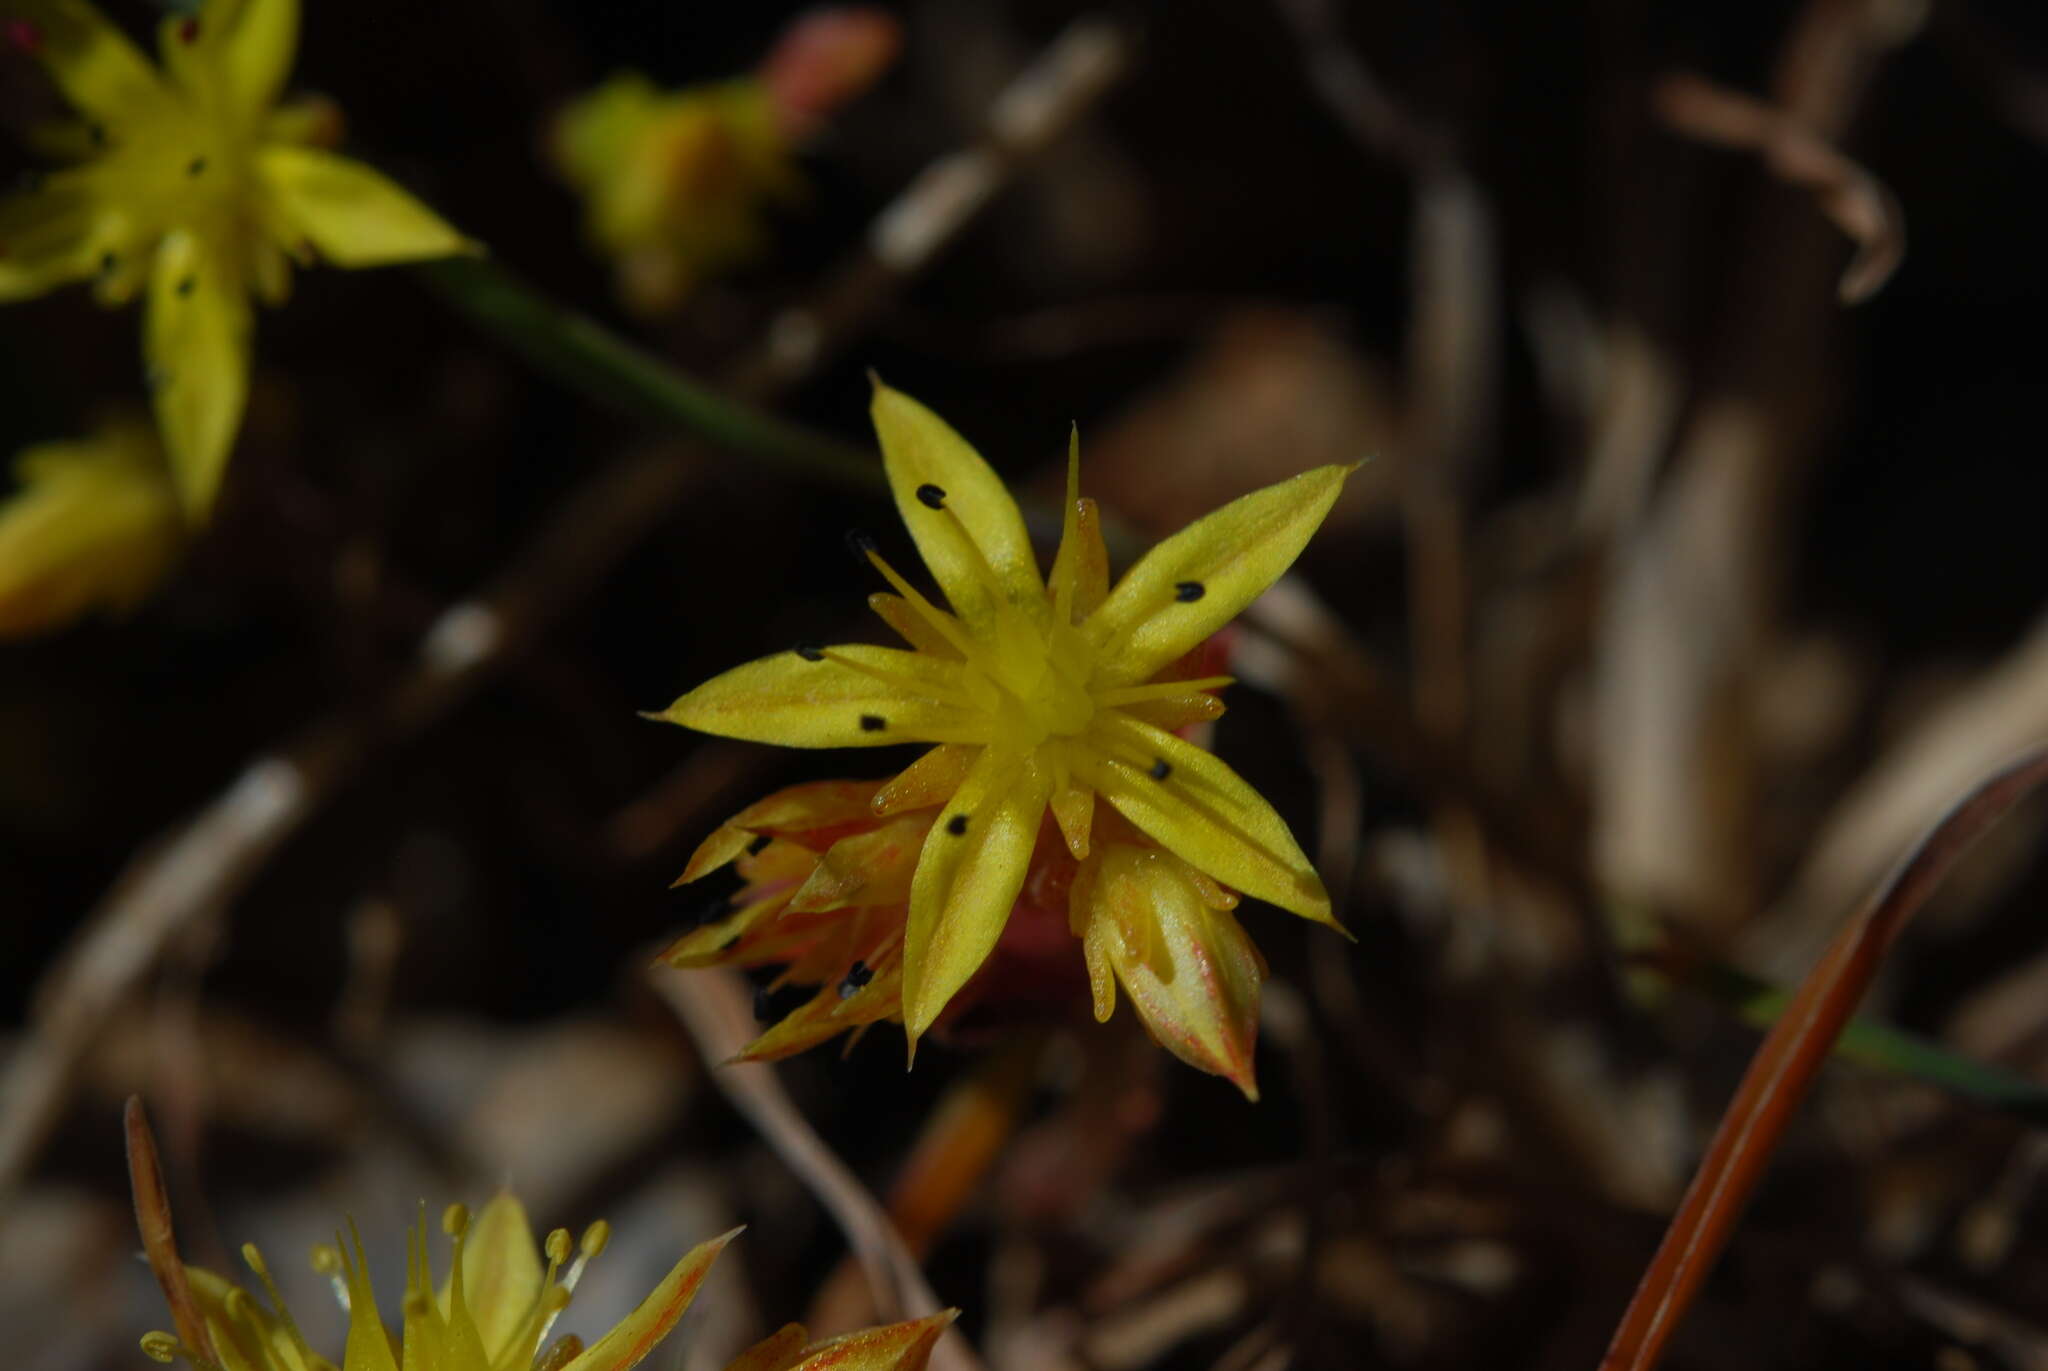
[
  {"x": 675, "y": 183},
  {"x": 494, "y": 1312},
  {"x": 188, "y": 183},
  {"x": 94, "y": 525},
  {"x": 1040, "y": 694}
]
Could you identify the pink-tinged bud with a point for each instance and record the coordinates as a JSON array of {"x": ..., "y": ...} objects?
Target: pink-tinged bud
[
  {"x": 25, "y": 36},
  {"x": 825, "y": 58}
]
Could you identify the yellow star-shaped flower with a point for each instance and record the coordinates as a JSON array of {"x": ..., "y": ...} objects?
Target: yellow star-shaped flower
[
  {"x": 190, "y": 185},
  {"x": 1040, "y": 692},
  {"x": 494, "y": 1312}
]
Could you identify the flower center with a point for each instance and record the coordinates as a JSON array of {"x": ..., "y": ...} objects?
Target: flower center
[{"x": 1033, "y": 684}]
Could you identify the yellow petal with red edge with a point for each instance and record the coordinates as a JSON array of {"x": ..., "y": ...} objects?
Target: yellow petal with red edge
[
  {"x": 891, "y": 1347},
  {"x": 196, "y": 342},
  {"x": 865, "y": 868},
  {"x": 797, "y": 809},
  {"x": 1188, "y": 967},
  {"x": 48, "y": 237},
  {"x": 1203, "y": 812},
  {"x": 714, "y": 943},
  {"x": 501, "y": 1274},
  {"x": 967, "y": 880},
  {"x": 368, "y": 1347},
  {"x": 353, "y": 216},
  {"x": 929, "y": 780},
  {"x": 95, "y": 523},
  {"x": 776, "y": 1352},
  {"x": 1202, "y": 577},
  {"x": 641, "y": 1330},
  {"x": 826, "y": 1015},
  {"x": 868, "y": 697},
  {"x": 974, "y": 541},
  {"x": 101, "y": 73}
]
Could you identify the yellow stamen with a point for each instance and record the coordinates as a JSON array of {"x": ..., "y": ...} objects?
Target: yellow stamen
[
  {"x": 162, "y": 1346},
  {"x": 254, "y": 1258},
  {"x": 942, "y": 623},
  {"x": 327, "y": 1261},
  {"x": 909, "y": 685}
]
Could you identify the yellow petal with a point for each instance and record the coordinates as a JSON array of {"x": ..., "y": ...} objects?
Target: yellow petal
[
  {"x": 1176, "y": 712},
  {"x": 967, "y": 880},
  {"x": 1202, "y": 577},
  {"x": 1202, "y": 812},
  {"x": 974, "y": 540},
  {"x": 929, "y": 780},
  {"x": 892, "y": 1347},
  {"x": 1189, "y": 969},
  {"x": 646, "y": 1326},
  {"x": 865, "y": 868},
  {"x": 101, "y": 73},
  {"x": 368, "y": 1347},
  {"x": 47, "y": 237},
  {"x": 354, "y": 216},
  {"x": 1073, "y": 806},
  {"x": 95, "y": 524},
  {"x": 501, "y": 1274},
  {"x": 196, "y": 342},
  {"x": 258, "y": 39},
  {"x": 1080, "y": 571},
  {"x": 714, "y": 943},
  {"x": 828, "y": 1014},
  {"x": 796, "y": 809},
  {"x": 776, "y": 1352},
  {"x": 858, "y": 697}
]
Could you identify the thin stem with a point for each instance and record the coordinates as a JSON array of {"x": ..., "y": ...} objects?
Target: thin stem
[{"x": 588, "y": 357}]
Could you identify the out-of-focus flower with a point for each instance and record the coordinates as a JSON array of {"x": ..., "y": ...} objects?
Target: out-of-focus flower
[
  {"x": 189, "y": 184},
  {"x": 93, "y": 525},
  {"x": 1041, "y": 694},
  {"x": 676, "y": 184},
  {"x": 494, "y": 1312}
]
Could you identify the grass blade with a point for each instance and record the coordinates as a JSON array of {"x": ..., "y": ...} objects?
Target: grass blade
[{"x": 1784, "y": 1067}]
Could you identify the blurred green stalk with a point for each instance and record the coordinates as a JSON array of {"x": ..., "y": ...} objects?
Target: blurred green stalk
[{"x": 613, "y": 372}]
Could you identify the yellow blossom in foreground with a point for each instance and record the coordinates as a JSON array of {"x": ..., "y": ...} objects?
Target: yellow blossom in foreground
[
  {"x": 1040, "y": 693},
  {"x": 93, "y": 525},
  {"x": 495, "y": 1311},
  {"x": 674, "y": 183},
  {"x": 190, "y": 185},
  {"x": 826, "y": 898}
]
